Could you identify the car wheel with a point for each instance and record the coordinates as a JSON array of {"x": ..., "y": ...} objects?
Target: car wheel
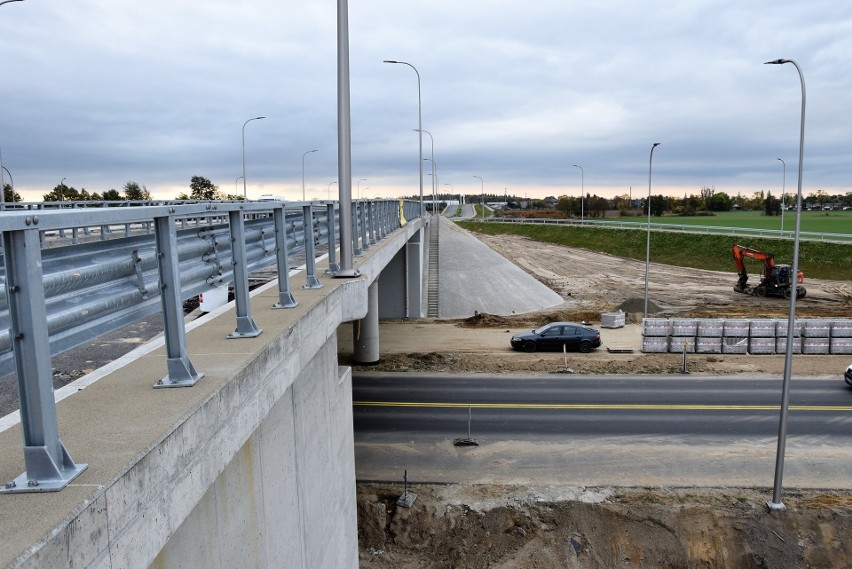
[
  {"x": 786, "y": 294},
  {"x": 760, "y": 291},
  {"x": 585, "y": 346},
  {"x": 529, "y": 346}
]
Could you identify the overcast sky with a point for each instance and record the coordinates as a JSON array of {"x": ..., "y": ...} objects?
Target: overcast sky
[{"x": 100, "y": 92}]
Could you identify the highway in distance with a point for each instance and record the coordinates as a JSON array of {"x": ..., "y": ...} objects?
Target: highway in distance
[{"x": 601, "y": 430}]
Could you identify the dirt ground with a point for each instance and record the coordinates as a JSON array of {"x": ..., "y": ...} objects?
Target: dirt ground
[
  {"x": 453, "y": 527},
  {"x": 535, "y": 528},
  {"x": 592, "y": 284},
  {"x": 599, "y": 283}
]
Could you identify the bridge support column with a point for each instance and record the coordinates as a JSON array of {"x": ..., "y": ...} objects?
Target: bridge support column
[{"x": 365, "y": 332}]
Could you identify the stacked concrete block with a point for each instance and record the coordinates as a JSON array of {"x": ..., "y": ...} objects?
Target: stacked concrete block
[
  {"x": 840, "y": 345},
  {"x": 679, "y": 344},
  {"x": 655, "y": 335},
  {"x": 682, "y": 335},
  {"x": 734, "y": 345},
  {"x": 761, "y": 336},
  {"x": 816, "y": 336},
  {"x": 745, "y": 336},
  {"x": 763, "y": 328},
  {"x": 816, "y": 345},
  {"x": 761, "y": 345},
  {"x": 709, "y": 333},
  {"x": 841, "y": 337},
  {"x": 708, "y": 345},
  {"x": 735, "y": 336},
  {"x": 816, "y": 328},
  {"x": 781, "y": 345},
  {"x": 710, "y": 327},
  {"x": 781, "y": 328},
  {"x": 656, "y": 326},
  {"x": 612, "y": 319},
  {"x": 841, "y": 329},
  {"x": 781, "y": 336}
]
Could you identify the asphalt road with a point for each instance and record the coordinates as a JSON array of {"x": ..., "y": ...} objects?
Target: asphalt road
[
  {"x": 640, "y": 405},
  {"x": 683, "y": 430}
]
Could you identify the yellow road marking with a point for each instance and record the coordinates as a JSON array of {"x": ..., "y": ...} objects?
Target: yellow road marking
[{"x": 603, "y": 406}]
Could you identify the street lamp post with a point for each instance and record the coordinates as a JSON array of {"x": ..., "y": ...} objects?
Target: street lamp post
[
  {"x": 235, "y": 184},
  {"x": 582, "y": 189},
  {"x": 648, "y": 236},
  {"x": 359, "y": 186},
  {"x": 245, "y": 195},
  {"x": 11, "y": 185},
  {"x": 62, "y": 189},
  {"x": 434, "y": 175},
  {"x": 775, "y": 503},
  {"x": 303, "y": 171},
  {"x": 419, "y": 127},
  {"x": 434, "y": 182},
  {"x": 783, "y": 187},
  {"x": 482, "y": 184},
  {"x": 328, "y": 191}
]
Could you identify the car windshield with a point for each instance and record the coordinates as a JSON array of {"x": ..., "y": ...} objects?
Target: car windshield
[{"x": 542, "y": 329}]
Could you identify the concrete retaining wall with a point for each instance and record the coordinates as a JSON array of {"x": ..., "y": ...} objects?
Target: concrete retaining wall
[{"x": 745, "y": 336}]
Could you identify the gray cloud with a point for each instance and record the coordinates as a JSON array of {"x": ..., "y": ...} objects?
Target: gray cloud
[{"x": 103, "y": 92}]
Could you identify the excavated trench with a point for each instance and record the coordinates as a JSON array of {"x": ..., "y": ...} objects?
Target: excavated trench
[{"x": 515, "y": 528}]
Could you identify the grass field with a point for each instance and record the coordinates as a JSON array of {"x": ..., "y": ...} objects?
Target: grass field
[
  {"x": 817, "y": 259},
  {"x": 812, "y": 221}
]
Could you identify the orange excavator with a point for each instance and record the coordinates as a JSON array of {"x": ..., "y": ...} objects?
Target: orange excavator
[{"x": 776, "y": 280}]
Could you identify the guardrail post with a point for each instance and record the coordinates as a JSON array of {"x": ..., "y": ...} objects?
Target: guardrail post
[
  {"x": 355, "y": 234},
  {"x": 74, "y": 232},
  {"x": 246, "y": 327},
  {"x": 333, "y": 267},
  {"x": 49, "y": 467},
  {"x": 365, "y": 243},
  {"x": 285, "y": 297},
  {"x": 181, "y": 372},
  {"x": 383, "y": 220},
  {"x": 372, "y": 217},
  {"x": 310, "y": 256},
  {"x": 104, "y": 228}
]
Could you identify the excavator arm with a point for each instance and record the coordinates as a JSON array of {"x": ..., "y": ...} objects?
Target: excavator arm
[{"x": 740, "y": 252}]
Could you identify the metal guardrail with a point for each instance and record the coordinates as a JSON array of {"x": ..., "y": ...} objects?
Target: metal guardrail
[
  {"x": 685, "y": 228},
  {"x": 59, "y": 293}
]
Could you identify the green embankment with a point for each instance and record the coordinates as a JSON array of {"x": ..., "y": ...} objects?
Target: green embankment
[{"x": 817, "y": 259}]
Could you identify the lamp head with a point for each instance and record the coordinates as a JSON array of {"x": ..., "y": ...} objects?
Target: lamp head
[
  {"x": 777, "y": 62},
  {"x": 258, "y": 118},
  {"x": 656, "y": 144},
  {"x": 390, "y": 61}
]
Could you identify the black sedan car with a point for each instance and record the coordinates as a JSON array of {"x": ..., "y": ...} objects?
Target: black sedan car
[
  {"x": 848, "y": 376},
  {"x": 555, "y": 335}
]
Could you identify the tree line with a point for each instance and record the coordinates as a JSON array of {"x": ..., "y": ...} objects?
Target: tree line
[{"x": 200, "y": 189}]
